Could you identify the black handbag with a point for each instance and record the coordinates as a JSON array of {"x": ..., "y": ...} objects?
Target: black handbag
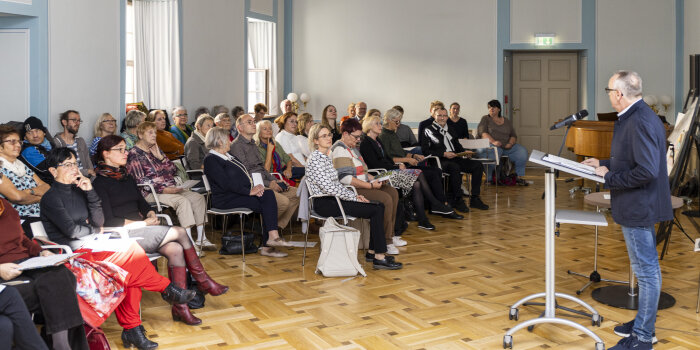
[{"x": 231, "y": 243}]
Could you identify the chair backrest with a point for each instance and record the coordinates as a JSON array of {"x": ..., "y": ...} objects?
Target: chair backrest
[
  {"x": 38, "y": 230},
  {"x": 206, "y": 183},
  {"x": 475, "y": 143}
]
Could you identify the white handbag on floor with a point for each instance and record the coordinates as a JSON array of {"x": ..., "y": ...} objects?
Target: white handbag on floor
[{"x": 338, "y": 250}]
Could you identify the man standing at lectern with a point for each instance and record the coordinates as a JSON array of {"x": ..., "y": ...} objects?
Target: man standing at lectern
[{"x": 640, "y": 197}]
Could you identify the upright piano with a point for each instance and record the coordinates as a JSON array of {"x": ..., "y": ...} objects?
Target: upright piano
[{"x": 590, "y": 138}]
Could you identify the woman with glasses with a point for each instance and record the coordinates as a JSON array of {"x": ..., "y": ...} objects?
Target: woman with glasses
[
  {"x": 105, "y": 125},
  {"x": 323, "y": 180},
  {"x": 501, "y": 134},
  {"x": 275, "y": 159},
  {"x": 352, "y": 170},
  {"x": 123, "y": 205},
  {"x": 71, "y": 212},
  {"x": 18, "y": 183},
  {"x": 148, "y": 165},
  {"x": 195, "y": 151}
]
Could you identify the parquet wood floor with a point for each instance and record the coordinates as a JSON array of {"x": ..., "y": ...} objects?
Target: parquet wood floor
[{"x": 453, "y": 293}]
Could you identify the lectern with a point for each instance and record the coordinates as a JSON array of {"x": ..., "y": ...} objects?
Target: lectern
[{"x": 552, "y": 216}]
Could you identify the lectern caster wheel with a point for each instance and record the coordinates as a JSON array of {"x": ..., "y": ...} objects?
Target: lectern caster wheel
[
  {"x": 597, "y": 320},
  {"x": 513, "y": 315},
  {"x": 530, "y": 328},
  {"x": 578, "y": 292},
  {"x": 599, "y": 346},
  {"x": 508, "y": 342}
]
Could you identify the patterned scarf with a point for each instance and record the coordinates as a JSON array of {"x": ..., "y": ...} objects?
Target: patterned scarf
[
  {"x": 446, "y": 137},
  {"x": 109, "y": 171}
]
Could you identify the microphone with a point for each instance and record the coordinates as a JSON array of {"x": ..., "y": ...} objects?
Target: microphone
[{"x": 570, "y": 119}]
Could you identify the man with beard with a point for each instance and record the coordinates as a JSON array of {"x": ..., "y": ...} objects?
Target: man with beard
[{"x": 70, "y": 120}]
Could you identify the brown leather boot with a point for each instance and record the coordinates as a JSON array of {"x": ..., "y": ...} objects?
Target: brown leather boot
[
  {"x": 205, "y": 283},
  {"x": 181, "y": 312}
]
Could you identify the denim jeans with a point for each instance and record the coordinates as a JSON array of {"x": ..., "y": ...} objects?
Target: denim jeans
[
  {"x": 641, "y": 248},
  {"x": 517, "y": 154}
]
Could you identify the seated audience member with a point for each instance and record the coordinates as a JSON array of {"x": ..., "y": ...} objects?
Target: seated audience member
[
  {"x": 304, "y": 123},
  {"x": 70, "y": 120},
  {"x": 260, "y": 110},
  {"x": 232, "y": 187},
  {"x": 323, "y": 180},
  {"x": 105, "y": 125},
  {"x": 433, "y": 175},
  {"x": 276, "y": 160},
  {"x": 246, "y": 151},
  {"x": 352, "y": 170},
  {"x": 123, "y": 205},
  {"x": 35, "y": 147},
  {"x": 405, "y": 179},
  {"x": 223, "y": 120},
  {"x": 199, "y": 111},
  {"x": 457, "y": 124},
  {"x": 165, "y": 140},
  {"x": 50, "y": 291},
  {"x": 405, "y": 134},
  {"x": 330, "y": 118},
  {"x": 501, "y": 134},
  {"x": 72, "y": 213},
  {"x": 360, "y": 111},
  {"x": 431, "y": 118},
  {"x": 286, "y": 106},
  {"x": 235, "y": 113},
  {"x": 16, "y": 324},
  {"x": 180, "y": 129},
  {"x": 194, "y": 148},
  {"x": 131, "y": 122},
  {"x": 148, "y": 165},
  {"x": 440, "y": 142},
  {"x": 372, "y": 113},
  {"x": 351, "y": 114},
  {"x": 287, "y": 138},
  {"x": 218, "y": 109},
  {"x": 18, "y": 183}
]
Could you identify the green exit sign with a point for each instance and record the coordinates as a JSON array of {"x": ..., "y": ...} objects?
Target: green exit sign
[{"x": 544, "y": 39}]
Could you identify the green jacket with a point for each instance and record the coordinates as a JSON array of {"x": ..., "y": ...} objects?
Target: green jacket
[{"x": 392, "y": 145}]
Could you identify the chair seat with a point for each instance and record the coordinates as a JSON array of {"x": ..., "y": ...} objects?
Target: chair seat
[
  {"x": 153, "y": 256},
  {"x": 337, "y": 218},
  {"x": 218, "y": 211}
]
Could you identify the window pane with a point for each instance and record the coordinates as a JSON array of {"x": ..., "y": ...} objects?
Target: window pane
[
  {"x": 130, "y": 44},
  {"x": 129, "y": 83},
  {"x": 129, "y": 98}
]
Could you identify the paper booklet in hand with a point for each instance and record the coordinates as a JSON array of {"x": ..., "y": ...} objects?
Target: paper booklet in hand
[
  {"x": 383, "y": 176},
  {"x": 46, "y": 261},
  {"x": 586, "y": 169},
  {"x": 188, "y": 184}
]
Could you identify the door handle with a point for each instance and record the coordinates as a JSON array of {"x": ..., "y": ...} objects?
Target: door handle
[{"x": 515, "y": 110}]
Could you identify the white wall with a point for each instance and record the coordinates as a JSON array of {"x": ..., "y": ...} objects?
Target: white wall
[
  {"x": 14, "y": 70},
  {"x": 84, "y": 61},
  {"x": 691, "y": 39},
  {"x": 636, "y": 35},
  {"x": 213, "y": 56},
  {"x": 560, "y": 17},
  {"x": 405, "y": 52}
]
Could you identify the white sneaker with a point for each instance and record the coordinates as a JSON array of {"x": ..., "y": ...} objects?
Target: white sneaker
[
  {"x": 391, "y": 249},
  {"x": 206, "y": 244},
  {"x": 398, "y": 242}
]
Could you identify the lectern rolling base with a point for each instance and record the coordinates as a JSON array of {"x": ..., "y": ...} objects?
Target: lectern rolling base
[{"x": 620, "y": 297}]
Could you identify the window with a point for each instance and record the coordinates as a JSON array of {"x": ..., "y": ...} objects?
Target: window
[
  {"x": 258, "y": 87},
  {"x": 130, "y": 83},
  {"x": 262, "y": 64}
]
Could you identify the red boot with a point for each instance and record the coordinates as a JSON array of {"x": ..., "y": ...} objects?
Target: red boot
[
  {"x": 206, "y": 284},
  {"x": 181, "y": 312}
]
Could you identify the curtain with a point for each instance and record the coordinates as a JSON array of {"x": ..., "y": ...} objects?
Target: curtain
[
  {"x": 157, "y": 53},
  {"x": 262, "y": 46}
]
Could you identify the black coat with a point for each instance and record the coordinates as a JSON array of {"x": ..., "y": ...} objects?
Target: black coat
[
  {"x": 374, "y": 156},
  {"x": 432, "y": 143}
]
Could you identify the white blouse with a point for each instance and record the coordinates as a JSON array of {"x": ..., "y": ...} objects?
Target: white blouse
[{"x": 290, "y": 145}]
